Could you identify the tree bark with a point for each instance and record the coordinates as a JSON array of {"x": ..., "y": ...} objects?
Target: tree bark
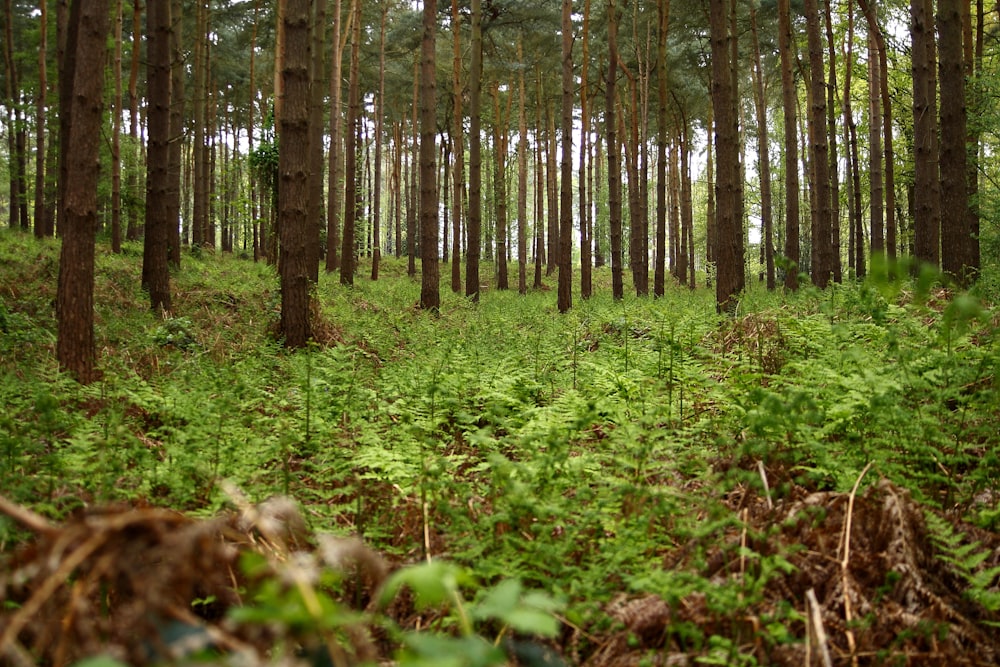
[
  {"x": 430, "y": 296},
  {"x": 83, "y": 96},
  {"x": 155, "y": 271},
  {"x": 614, "y": 160},
  {"x": 927, "y": 203},
  {"x": 474, "y": 226},
  {"x": 347, "y": 241},
  {"x": 293, "y": 173},
  {"x": 763, "y": 156},
  {"x": 565, "y": 294},
  {"x": 458, "y": 150},
  {"x": 819, "y": 153},
  {"x": 791, "y": 167},
  {"x": 730, "y": 276}
]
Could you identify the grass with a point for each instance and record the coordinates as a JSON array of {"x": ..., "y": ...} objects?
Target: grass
[{"x": 577, "y": 453}]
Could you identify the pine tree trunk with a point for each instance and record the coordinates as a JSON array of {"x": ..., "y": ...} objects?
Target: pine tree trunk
[
  {"x": 614, "y": 146},
  {"x": 458, "y": 150},
  {"x": 474, "y": 226},
  {"x": 293, "y": 173},
  {"x": 565, "y": 295},
  {"x": 347, "y": 240},
  {"x": 82, "y": 96},
  {"x": 819, "y": 153},
  {"x": 791, "y": 168},
  {"x": 430, "y": 296},
  {"x": 927, "y": 210}
]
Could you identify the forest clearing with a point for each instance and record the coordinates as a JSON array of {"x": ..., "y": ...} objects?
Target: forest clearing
[{"x": 636, "y": 482}]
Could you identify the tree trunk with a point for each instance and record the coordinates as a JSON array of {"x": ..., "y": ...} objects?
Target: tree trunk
[
  {"x": 819, "y": 153},
  {"x": 500, "y": 187},
  {"x": 293, "y": 173},
  {"x": 565, "y": 294},
  {"x": 347, "y": 251},
  {"x": 155, "y": 271},
  {"x": 926, "y": 210},
  {"x": 586, "y": 230},
  {"x": 83, "y": 96},
  {"x": 335, "y": 166},
  {"x": 763, "y": 156},
  {"x": 522, "y": 177},
  {"x": 40, "y": 104},
  {"x": 834, "y": 161},
  {"x": 614, "y": 159},
  {"x": 791, "y": 167},
  {"x": 957, "y": 255},
  {"x": 317, "y": 72},
  {"x": 875, "y": 155},
  {"x": 458, "y": 150},
  {"x": 176, "y": 144},
  {"x": 730, "y": 274},
  {"x": 379, "y": 114},
  {"x": 430, "y": 296},
  {"x": 474, "y": 226},
  {"x": 662, "y": 89}
]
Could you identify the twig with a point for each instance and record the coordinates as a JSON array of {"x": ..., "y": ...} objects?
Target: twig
[
  {"x": 34, "y": 522},
  {"x": 818, "y": 633},
  {"x": 844, "y": 566},
  {"x": 767, "y": 488}
]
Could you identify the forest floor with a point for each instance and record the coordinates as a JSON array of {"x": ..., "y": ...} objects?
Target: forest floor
[{"x": 815, "y": 480}]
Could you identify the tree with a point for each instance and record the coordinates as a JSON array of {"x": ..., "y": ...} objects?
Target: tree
[
  {"x": 662, "y": 89},
  {"x": 586, "y": 219},
  {"x": 430, "y": 295},
  {"x": 614, "y": 159},
  {"x": 458, "y": 150},
  {"x": 174, "y": 168},
  {"x": 351, "y": 190},
  {"x": 926, "y": 193},
  {"x": 474, "y": 225},
  {"x": 155, "y": 272},
  {"x": 335, "y": 169},
  {"x": 379, "y": 114},
  {"x": 729, "y": 269},
  {"x": 791, "y": 169},
  {"x": 565, "y": 294},
  {"x": 82, "y": 96},
  {"x": 763, "y": 156},
  {"x": 41, "y": 212},
  {"x": 958, "y": 256},
  {"x": 293, "y": 174},
  {"x": 819, "y": 153}
]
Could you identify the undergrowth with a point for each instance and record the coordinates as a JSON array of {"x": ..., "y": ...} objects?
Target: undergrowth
[{"x": 576, "y": 453}]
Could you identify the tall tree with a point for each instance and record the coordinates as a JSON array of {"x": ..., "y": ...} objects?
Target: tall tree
[
  {"x": 474, "y": 226},
  {"x": 293, "y": 174},
  {"x": 662, "y": 90},
  {"x": 41, "y": 213},
  {"x": 133, "y": 230},
  {"x": 565, "y": 293},
  {"x": 430, "y": 295},
  {"x": 819, "y": 153},
  {"x": 500, "y": 186},
  {"x": 175, "y": 152},
  {"x": 351, "y": 190},
  {"x": 763, "y": 154},
  {"x": 614, "y": 159},
  {"x": 317, "y": 74},
  {"x": 82, "y": 96},
  {"x": 875, "y": 154},
  {"x": 200, "y": 152},
  {"x": 730, "y": 273},
  {"x": 586, "y": 220},
  {"x": 155, "y": 272},
  {"x": 926, "y": 193},
  {"x": 791, "y": 168},
  {"x": 335, "y": 168},
  {"x": 458, "y": 149},
  {"x": 958, "y": 256},
  {"x": 522, "y": 176},
  {"x": 379, "y": 115}
]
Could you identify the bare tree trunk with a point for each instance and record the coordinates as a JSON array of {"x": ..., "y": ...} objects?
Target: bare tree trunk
[
  {"x": 614, "y": 165},
  {"x": 458, "y": 150},
  {"x": 176, "y": 147},
  {"x": 586, "y": 231},
  {"x": 522, "y": 177},
  {"x": 565, "y": 294},
  {"x": 819, "y": 153},
  {"x": 763, "y": 156},
  {"x": 347, "y": 249},
  {"x": 788, "y": 95},
  {"x": 927, "y": 203},
  {"x": 82, "y": 96},
  {"x": 730, "y": 275},
  {"x": 430, "y": 296},
  {"x": 335, "y": 166},
  {"x": 474, "y": 226},
  {"x": 155, "y": 271}
]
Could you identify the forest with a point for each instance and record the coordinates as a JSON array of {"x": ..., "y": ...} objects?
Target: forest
[{"x": 499, "y": 332}]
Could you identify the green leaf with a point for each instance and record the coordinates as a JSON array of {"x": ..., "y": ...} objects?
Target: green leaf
[{"x": 432, "y": 583}]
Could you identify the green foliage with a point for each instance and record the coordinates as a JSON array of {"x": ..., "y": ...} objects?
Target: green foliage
[{"x": 569, "y": 454}]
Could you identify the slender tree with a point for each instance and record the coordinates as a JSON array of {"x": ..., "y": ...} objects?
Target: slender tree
[
  {"x": 41, "y": 214},
  {"x": 379, "y": 115},
  {"x": 458, "y": 149},
  {"x": 763, "y": 154},
  {"x": 351, "y": 195},
  {"x": 430, "y": 295},
  {"x": 958, "y": 257},
  {"x": 155, "y": 271},
  {"x": 819, "y": 153},
  {"x": 176, "y": 143},
  {"x": 565, "y": 294},
  {"x": 791, "y": 168},
  {"x": 293, "y": 174},
  {"x": 522, "y": 176},
  {"x": 82, "y": 96},
  {"x": 474, "y": 226},
  {"x": 614, "y": 161},
  {"x": 730, "y": 269},
  {"x": 586, "y": 220},
  {"x": 926, "y": 194},
  {"x": 335, "y": 168}
]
